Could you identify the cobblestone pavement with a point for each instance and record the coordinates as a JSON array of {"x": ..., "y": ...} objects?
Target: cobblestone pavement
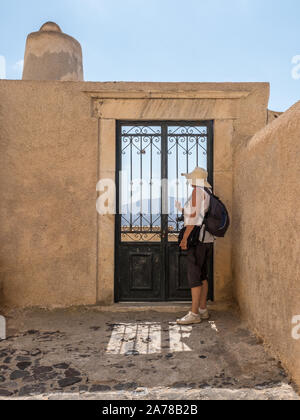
[{"x": 84, "y": 354}]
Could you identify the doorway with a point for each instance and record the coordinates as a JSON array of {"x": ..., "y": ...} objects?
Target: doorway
[{"x": 150, "y": 159}]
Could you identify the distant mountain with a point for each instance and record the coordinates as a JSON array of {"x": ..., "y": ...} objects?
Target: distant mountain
[{"x": 146, "y": 209}]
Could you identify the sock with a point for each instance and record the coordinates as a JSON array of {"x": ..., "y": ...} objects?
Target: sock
[{"x": 202, "y": 311}]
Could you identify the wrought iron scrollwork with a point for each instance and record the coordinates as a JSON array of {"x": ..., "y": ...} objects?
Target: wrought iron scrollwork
[{"x": 144, "y": 149}]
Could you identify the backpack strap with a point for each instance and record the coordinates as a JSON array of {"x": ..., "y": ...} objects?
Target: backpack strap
[
  {"x": 211, "y": 193},
  {"x": 204, "y": 233},
  {"x": 208, "y": 191}
]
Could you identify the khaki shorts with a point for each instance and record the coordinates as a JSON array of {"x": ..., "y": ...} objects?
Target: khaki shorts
[{"x": 197, "y": 263}]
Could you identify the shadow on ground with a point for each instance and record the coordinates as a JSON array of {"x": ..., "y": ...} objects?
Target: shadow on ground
[{"x": 90, "y": 355}]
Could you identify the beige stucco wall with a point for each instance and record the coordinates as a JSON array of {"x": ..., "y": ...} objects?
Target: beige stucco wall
[
  {"x": 48, "y": 172},
  {"x": 266, "y": 235},
  {"x": 57, "y": 139}
]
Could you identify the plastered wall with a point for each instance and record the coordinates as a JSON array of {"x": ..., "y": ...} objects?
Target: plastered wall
[
  {"x": 48, "y": 169},
  {"x": 57, "y": 139},
  {"x": 266, "y": 245}
]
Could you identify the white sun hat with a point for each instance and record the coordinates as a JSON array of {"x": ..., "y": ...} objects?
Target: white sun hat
[{"x": 198, "y": 178}]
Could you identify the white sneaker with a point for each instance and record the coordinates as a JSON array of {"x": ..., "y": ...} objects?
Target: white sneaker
[
  {"x": 205, "y": 315},
  {"x": 189, "y": 319}
]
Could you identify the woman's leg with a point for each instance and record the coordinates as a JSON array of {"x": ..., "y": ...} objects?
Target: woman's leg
[
  {"x": 207, "y": 252},
  {"x": 203, "y": 295},
  {"x": 196, "y": 295}
]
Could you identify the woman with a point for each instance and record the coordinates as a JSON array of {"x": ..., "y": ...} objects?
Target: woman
[{"x": 198, "y": 257}]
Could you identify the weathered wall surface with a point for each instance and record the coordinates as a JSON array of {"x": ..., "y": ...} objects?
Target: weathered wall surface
[
  {"x": 57, "y": 139},
  {"x": 48, "y": 172},
  {"x": 266, "y": 234}
]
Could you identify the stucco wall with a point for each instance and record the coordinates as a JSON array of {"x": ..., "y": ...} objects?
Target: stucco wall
[
  {"x": 48, "y": 172},
  {"x": 266, "y": 235},
  {"x": 57, "y": 139}
]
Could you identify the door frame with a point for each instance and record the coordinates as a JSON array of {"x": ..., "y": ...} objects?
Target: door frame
[{"x": 163, "y": 244}]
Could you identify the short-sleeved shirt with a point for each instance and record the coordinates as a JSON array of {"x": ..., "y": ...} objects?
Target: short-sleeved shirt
[{"x": 202, "y": 206}]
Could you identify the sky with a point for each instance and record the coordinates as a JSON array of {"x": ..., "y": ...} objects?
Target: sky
[{"x": 168, "y": 40}]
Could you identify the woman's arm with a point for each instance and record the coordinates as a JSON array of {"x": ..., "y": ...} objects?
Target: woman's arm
[
  {"x": 197, "y": 199},
  {"x": 190, "y": 227},
  {"x": 187, "y": 233}
]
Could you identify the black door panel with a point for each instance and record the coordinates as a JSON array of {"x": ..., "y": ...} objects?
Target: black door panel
[
  {"x": 177, "y": 274},
  {"x": 140, "y": 273}
]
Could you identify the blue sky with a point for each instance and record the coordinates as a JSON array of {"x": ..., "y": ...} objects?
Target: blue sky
[{"x": 169, "y": 40}]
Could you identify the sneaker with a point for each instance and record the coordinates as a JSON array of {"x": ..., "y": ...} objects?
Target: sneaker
[
  {"x": 189, "y": 319},
  {"x": 205, "y": 315}
]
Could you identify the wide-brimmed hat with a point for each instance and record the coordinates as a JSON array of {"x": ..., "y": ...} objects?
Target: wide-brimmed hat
[{"x": 198, "y": 178}]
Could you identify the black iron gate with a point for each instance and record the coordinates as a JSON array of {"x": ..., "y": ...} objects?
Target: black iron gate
[{"x": 150, "y": 159}]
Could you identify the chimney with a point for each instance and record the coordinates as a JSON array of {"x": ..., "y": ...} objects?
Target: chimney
[{"x": 52, "y": 55}]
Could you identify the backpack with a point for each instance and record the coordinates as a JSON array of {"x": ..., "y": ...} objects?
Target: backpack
[{"x": 217, "y": 220}]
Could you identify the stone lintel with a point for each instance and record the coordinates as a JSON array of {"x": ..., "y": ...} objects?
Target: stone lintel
[{"x": 146, "y": 94}]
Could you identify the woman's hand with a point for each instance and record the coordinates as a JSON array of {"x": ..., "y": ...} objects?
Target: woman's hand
[
  {"x": 178, "y": 206},
  {"x": 183, "y": 244}
]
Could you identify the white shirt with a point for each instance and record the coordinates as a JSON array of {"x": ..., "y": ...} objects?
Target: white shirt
[{"x": 202, "y": 206}]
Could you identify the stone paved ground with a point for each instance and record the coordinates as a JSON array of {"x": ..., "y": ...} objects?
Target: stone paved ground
[{"x": 84, "y": 354}]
